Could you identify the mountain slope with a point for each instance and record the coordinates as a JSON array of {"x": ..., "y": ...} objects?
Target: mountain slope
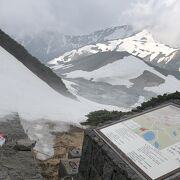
[
  {"x": 43, "y": 72},
  {"x": 23, "y": 92},
  {"x": 114, "y": 78},
  {"x": 48, "y": 45},
  {"x": 146, "y": 47}
]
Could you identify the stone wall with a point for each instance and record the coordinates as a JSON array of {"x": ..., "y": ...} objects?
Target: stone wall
[{"x": 100, "y": 162}]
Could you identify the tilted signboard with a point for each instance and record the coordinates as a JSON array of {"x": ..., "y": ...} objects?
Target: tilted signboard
[{"x": 149, "y": 142}]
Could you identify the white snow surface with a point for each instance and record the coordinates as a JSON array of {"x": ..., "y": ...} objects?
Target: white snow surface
[
  {"x": 23, "y": 92},
  {"x": 141, "y": 45},
  {"x": 144, "y": 45}
]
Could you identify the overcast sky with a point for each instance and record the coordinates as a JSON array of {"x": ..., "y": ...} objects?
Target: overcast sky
[{"x": 161, "y": 17}]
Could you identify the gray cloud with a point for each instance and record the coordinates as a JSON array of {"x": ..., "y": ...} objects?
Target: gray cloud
[
  {"x": 161, "y": 17},
  {"x": 84, "y": 16},
  {"x": 71, "y": 16}
]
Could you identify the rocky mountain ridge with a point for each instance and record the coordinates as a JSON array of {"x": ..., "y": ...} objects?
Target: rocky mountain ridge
[
  {"x": 48, "y": 45},
  {"x": 141, "y": 45}
]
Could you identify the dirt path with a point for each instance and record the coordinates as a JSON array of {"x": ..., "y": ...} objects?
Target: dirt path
[{"x": 63, "y": 142}]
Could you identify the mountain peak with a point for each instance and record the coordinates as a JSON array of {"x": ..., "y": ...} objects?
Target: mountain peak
[
  {"x": 144, "y": 36},
  {"x": 49, "y": 45}
]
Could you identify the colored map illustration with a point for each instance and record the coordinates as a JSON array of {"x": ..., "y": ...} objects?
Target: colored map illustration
[{"x": 160, "y": 128}]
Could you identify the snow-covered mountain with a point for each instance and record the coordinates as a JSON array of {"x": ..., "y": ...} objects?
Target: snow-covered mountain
[
  {"x": 120, "y": 72},
  {"x": 141, "y": 45},
  {"x": 48, "y": 45}
]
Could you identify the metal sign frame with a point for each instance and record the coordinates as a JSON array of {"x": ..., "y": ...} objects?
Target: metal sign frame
[{"x": 123, "y": 156}]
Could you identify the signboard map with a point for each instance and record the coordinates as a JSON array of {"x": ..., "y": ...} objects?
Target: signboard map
[{"x": 151, "y": 141}]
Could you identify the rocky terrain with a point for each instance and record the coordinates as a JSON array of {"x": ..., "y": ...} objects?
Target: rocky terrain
[{"x": 16, "y": 164}]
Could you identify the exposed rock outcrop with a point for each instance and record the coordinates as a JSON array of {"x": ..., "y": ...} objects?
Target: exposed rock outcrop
[{"x": 25, "y": 145}]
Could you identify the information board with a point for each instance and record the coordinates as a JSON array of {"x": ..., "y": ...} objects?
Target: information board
[{"x": 151, "y": 141}]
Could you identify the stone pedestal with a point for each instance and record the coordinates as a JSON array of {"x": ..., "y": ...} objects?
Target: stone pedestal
[
  {"x": 68, "y": 168},
  {"x": 100, "y": 162},
  {"x": 137, "y": 147}
]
